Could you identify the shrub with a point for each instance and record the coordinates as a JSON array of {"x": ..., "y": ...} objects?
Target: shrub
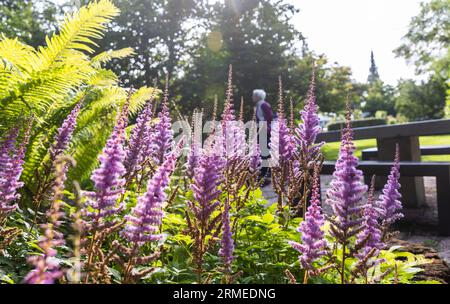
[{"x": 357, "y": 123}]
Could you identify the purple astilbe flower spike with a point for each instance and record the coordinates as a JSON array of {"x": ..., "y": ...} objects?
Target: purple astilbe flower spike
[
  {"x": 193, "y": 158},
  {"x": 389, "y": 201},
  {"x": 226, "y": 244},
  {"x": 195, "y": 148},
  {"x": 8, "y": 186},
  {"x": 255, "y": 161},
  {"x": 206, "y": 180},
  {"x": 146, "y": 217},
  {"x": 163, "y": 134},
  {"x": 254, "y": 150},
  {"x": 313, "y": 242},
  {"x": 108, "y": 178},
  {"x": 139, "y": 138},
  {"x": 282, "y": 145},
  {"x": 7, "y": 147},
  {"x": 228, "y": 111},
  {"x": 346, "y": 189},
  {"x": 232, "y": 129},
  {"x": 309, "y": 128},
  {"x": 46, "y": 267},
  {"x": 11, "y": 168},
  {"x": 370, "y": 236},
  {"x": 65, "y": 132}
]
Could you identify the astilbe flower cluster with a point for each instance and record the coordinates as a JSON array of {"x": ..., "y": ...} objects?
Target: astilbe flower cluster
[
  {"x": 282, "y": 155},
  {"x": 64, "y": 134},
  {"x": 61, "y": 142},
  {"x": 143, "y": 223},
  {"x": 345, "y": 195},
  {"x": 163, "y": 134},
  {"x": 309, "y": 152},
  {"x": 232, "y": 129},
  {"x": 282, "y": 145},
  {"x": 389, "y": 202},
  {"x": 8, "y": 183},
  {"x": 234, "y": 152},
  {"x": 206, "y": 180},
  {"x": 201, "y": 223},
  {"x": 368, "y": 241},
  {"x": 138, "y": 145},
  {"x": 347, "y": 189},
  {"x": 46, "y": 266},
  {"x": 313, "y": 244},
  {"x": 195, "y": 147},
  {"x": 255, "y": 160},
  {"x": 104, "y": 200},
  {"x": 11, "y": 168},
  {"x": 108, "y": 178},
  {"x": 226, "y": 244},
  {"x": 193, "y": 158},
  {"x": 309, "y": 128},
  {"x": 359, "y": 228}
]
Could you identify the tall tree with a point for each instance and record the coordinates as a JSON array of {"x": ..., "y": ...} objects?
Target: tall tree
[
  {"x": 256, "y": 37},
  {"x": 159, "y": 32},
  {"x": 426, "y": 44},
  {"x": 421, "y": 101},
  {"x": 28, "y": 20},
  {"x": 334, "y": 84},
  {"x": 378, "y": 97},
  {"x": 373, "y": 71}
]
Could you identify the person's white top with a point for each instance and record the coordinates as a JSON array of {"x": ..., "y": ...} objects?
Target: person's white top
[{"x": 259, "y": 111}]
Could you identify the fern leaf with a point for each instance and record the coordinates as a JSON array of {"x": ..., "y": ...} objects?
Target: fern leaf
[{"x": 107, "y": 56}]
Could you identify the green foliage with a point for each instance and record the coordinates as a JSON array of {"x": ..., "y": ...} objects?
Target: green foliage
[
  {"x": 447, "y": 100},
  {"x": 421, "y": 101},
  {"x": 48, "y": 81},
  {"x": 334, "y": 85},
  {"x": 262, "y": 252},
  {"x": 159, "y": 31},
  {"x": 426, "y": 42},
  {"x": 256, "y": 37},
  {"x": 28, "y": 20},
  {"x": 378, "y": 97}
]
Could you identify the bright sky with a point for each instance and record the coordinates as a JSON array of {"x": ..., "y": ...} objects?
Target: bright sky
[{"x": 346, "y": 31}]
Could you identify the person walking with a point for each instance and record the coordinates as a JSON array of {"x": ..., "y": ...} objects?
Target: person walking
[{"x": 264, "y": 113}]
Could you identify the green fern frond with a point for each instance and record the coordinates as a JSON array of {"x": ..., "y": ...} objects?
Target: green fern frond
[
  {"x": 107, "y": 56},
  {"x": 138, "y": 99},
  {"x": 15, "y": 55},
  {"x": 78, "y": 31},
  {"x": 103, "y": 78},
  {"x": 38, "y": 81},
  {"x": 94, "y": 126}
]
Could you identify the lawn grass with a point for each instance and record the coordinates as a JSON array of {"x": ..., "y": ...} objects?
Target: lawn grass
[{"x": 331, "y": 150}]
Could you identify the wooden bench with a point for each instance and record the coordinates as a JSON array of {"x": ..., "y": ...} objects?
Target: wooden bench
[
  {"x": 409, "y": 169},
  {"x": 372, "y": 153},
  {"x": 407, "y": 136}
]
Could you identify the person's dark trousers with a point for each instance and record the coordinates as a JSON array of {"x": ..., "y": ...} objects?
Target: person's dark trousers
[{"x": 265, "y": 173}]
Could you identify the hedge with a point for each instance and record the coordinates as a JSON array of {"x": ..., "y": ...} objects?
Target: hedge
[{"x": 359, "y": 123}]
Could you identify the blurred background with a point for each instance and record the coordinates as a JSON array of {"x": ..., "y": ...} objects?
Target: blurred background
[{"x": 390, "y": 58}]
